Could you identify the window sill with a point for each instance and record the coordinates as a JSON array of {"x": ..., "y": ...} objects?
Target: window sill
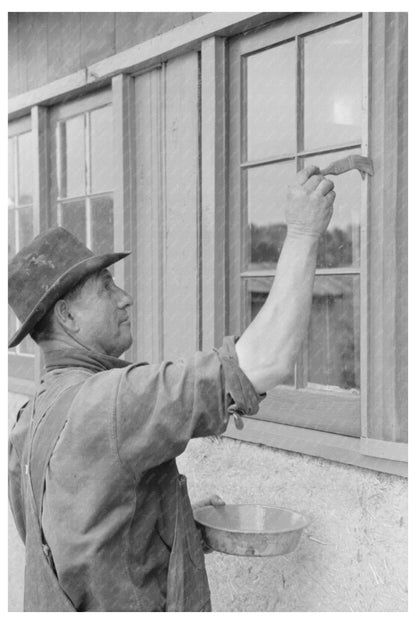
[{"x": 339, "y": 448}]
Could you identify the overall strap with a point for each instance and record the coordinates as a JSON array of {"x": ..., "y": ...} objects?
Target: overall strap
[{"x": 43, "y": 442}]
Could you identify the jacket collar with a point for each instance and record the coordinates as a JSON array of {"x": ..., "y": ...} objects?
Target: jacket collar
[{"x": 82, "y": 358}]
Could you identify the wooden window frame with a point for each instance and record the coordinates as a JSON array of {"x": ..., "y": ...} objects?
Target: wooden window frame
[
  {"x": 324, "y": 409},
  {"x": 209, "y": 35},
  {"x": 22, "y": 366},
  {"x": 362, "y": 451}
]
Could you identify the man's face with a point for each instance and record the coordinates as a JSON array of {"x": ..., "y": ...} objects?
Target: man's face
[{"x": 101, "y": 312}]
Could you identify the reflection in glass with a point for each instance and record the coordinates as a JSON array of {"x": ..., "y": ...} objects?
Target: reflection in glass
[
  {"x": 102, "y": 224},
  {"x": 340, "y": 245},
  {"x": 266, "y": 198},
  {"x": 332, "y": 85},
  {"x": 334, "y": 332},
  {"x": 73, "y": 218},
  {"x": 25, "y": 168},
  {"x": 11, "y": 171},
  {"x": 101, "y": 149},
  {"x": 271, "y": 96},
  {"x": 256, "y": 290},
  {"x": 72, "y": 157}
]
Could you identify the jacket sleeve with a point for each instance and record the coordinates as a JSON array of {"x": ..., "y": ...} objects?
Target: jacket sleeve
[{"x": 160, "y": 408}]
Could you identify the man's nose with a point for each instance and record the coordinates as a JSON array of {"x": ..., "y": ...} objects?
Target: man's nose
[{"x": 125, "y": 299}]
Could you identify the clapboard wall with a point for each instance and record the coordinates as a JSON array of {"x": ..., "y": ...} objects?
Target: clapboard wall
[{"x": 46, "y": 46}]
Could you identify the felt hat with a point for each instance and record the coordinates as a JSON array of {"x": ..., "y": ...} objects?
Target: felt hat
[{"x": 45, "y": 271}]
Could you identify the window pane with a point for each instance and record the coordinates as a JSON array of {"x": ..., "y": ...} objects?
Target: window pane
[
  {"x": 255, "y": 292},
  {"x": 271, "y": 102},
  {"x": 340, "y": 245},
  {"x": 27, "y": 346},
  {"x": 332, "y": 82},
  {"x": 267, "y": 196},
  {"x": 73, "y": 218},
  {"x": 25, "y": 168},
  {"x": 334, "y": 333},
  {"x": 25, "y": 218},
  {"x": 12, "y": 323},
  {"x": 11, "y": 171},
  {"x": 102, "y": 224},
  {"x": 72, "y": 157},
  {"x": 12, "y": 234},
  {"x": 101, "y": 149}
]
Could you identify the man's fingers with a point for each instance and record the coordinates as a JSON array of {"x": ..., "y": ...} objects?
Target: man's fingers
[
  {"x": 330, "y": 197},
  {"x": 325, "y": 186},
  {"x": 216, "y": 501},
  {"x": 306, "y": 173},
  {"x": 313, "y": 182}
]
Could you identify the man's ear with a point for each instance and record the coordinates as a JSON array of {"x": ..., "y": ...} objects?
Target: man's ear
[{"x": 64, "y": 315}]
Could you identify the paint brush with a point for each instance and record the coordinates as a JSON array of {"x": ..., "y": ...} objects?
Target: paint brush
[{"x": 354, "y": 161}]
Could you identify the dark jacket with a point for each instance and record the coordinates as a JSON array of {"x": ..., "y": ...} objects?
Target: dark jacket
[{"x": 110, "y": 503}]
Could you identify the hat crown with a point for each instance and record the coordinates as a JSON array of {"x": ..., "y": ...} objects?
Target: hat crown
[{"x": 36, "y": 267}]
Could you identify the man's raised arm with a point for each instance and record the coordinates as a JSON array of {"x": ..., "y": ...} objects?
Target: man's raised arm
[{"x": 268, "y": 348}]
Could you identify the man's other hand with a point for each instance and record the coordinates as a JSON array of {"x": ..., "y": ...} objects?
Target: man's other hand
[
  {"x": 310, "y": 203},
  {"x": 214, "y": 500}
]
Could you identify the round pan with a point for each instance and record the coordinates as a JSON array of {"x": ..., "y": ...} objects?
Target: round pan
[{"x": 250, "y": 530}]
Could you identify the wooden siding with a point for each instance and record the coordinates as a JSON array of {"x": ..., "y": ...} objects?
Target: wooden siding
[{"x": 47, "y": 46}]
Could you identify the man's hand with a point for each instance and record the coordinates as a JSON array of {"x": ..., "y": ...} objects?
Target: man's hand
[
  {"x": 214, "y": 500},
  {"x": 310, "y": 204}
]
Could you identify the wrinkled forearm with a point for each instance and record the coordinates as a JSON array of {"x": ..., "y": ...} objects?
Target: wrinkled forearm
[{"x": 267, "y": 350}]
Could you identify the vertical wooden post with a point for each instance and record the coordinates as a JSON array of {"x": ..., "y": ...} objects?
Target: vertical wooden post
[
  {"x": 213, "y": 170},
  {"x": 124, "y": 187}
]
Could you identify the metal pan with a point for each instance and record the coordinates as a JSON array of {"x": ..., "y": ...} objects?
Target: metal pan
[{"x": 250, "y": 530}]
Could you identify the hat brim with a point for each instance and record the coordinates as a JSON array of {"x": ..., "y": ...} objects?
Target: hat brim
[{"x": 61, "y": 287}]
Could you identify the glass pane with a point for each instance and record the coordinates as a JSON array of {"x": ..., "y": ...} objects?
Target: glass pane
[
  {"x": 332, "y": 83},
  {"x": 340, "y": 245},
  {"x": 266, "y": 198},
  {"x": 101, "y": 149},
  {"x": 25, "y": 218},
  {"x": 25, "y": 168},
  {"x": 12, "y": 324},
  {"x": 12, "y": 234},
  {"x": 102, "y": 224},
  {"x": 27, "y": 346},
  {"x": 271, "y": 102},
  {"x": 11, "y": 171},
  {"x": 73, "y": 218},
  {"x": 334, "y": 335},
  {"x": 255, "y": 292},
  {"x": 72, "y": 157}
]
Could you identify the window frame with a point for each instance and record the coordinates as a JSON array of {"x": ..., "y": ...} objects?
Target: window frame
[
  {"x": 22, "y": 366},
  {"x": 325, "y": 409}
]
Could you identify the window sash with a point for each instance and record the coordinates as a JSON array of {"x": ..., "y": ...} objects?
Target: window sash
[{"x": 341, "y": 409}]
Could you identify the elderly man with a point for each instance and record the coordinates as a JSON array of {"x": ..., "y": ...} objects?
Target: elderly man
[{"x": 94, "y": 487}]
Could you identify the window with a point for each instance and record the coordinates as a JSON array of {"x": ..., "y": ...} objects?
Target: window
[
  {"x": 296, "y": 98},
  {"x": 83, "y": 181},
  {"x": 20, "y": 223}
]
